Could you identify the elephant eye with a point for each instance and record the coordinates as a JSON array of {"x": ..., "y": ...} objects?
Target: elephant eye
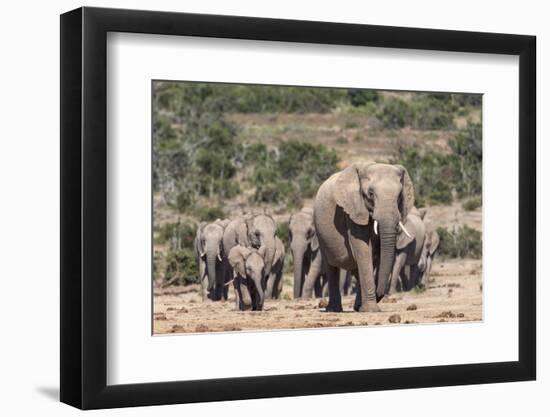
[{"x": 370, "y": 194}]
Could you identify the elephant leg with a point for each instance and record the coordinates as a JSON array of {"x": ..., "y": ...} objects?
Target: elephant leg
[
  {"x": 343, "y": 279},
  {"x": 334, "y": 296},
  {"x": 258, "y": 292},
  {"x": 357, "y": 302},
  {"x": 362, "y": 252},
  {"x": 427, "y": 271},
  {"x": 203, "y": 279},
  {"x": 415, "y": 277},
  {"x": 270, "y": 285},
  {"x": 398, "y": 265},
  {"x": 279, "y": 282},
  {"x": 237, "y": 295},
  {"x": 312, "y": 277},
  {"x": 246, "y": 300}
]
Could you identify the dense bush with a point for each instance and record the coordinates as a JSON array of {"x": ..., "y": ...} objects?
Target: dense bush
[
  {"x": 208, "y": 213},
  {"x": 395, "y": 113},
  {"x": 283, "y": 233},
  {"x": 472, "y": 203},
  {"x": 422, "y": 111},
  {"x": 181, "y": 267},
  {"x": 289, "y": 173},
  {"x": 467, "y": 148},
  {"x": 177, "y": 234},
  {"x": 437, "y": 175},
  {"x": 361, "y": 97},
  {"x": 461, "y": 242},
  {"x": 432, "y": 174}
]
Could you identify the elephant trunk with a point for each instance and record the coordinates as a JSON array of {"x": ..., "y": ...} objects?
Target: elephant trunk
[
  {"x": 260, "y": 293},
  {"x": 211, "y": 259},
  {"x": 269, "y": 254},
  {"x": 388, "y": 236},
  {"x": 298, "y": 257}
]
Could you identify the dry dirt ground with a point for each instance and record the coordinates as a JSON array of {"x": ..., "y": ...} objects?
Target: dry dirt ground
[{"x": 454, "y": 294}]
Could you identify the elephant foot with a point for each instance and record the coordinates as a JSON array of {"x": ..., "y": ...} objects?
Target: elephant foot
[
  {"x": 369, "y": 308},
  {"x": 333, "y": 308}
]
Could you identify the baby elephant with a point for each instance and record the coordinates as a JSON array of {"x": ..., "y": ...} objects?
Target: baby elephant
[
  {"x": 409, "y": 249},
  {"x": 248, "y": 276},
  {"x": 431, "y": 243}
]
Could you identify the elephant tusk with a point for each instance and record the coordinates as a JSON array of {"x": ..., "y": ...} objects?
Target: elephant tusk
[
  {"x": 229, "y": 282},
  {"x": 376, "y": 227},
  {"x": 404, "y": 230},
  {"x": 219, "y": 257}
]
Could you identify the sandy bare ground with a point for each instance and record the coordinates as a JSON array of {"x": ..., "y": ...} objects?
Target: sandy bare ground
[{"x": 454, "y": 294}]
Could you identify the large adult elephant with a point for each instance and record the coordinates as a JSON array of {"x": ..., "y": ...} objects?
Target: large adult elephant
[
  {"x": 209, "y": 256},
  {"x": 248, "y": 276},
  {"x": 304, "y": 247},
  {"x": 353, "y": 208},
  {"x": 408, "y": 252},
  {"x": 252, "y": 231},
  {"x": 431, "y": 243}
]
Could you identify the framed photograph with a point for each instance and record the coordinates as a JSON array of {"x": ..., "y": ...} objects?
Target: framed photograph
[{"x": 259, "y": 208}]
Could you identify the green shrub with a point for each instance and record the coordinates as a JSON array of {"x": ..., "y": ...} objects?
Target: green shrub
[
  {"x": 181, "y": 267},
  {"x": 432, "y": 111},
  {"x": 467, "y": 146},
  {"x": 461, "y": 242},
  {"x": 341, "y": 140},
  {"x": 436, "y": 175},
  {"x": 283, "y": 233},
  {"x": 184, "y": 200},
  {"x": 432, "y": 174},
  {"x": 168, "y": 232},
  {"x": 395, "y": 113},
  {"x": 291, "y": 173},
  {"x": 472, "y": 204},
  {"x": 360, "y": 97},
  {"x": 209, "y": 213}
]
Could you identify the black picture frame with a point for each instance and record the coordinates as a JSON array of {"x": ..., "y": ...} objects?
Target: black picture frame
[{"x": 84, "y": 207}]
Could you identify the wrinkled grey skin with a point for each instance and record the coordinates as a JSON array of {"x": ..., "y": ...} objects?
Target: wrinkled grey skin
[
  {"x": 209, "y": 255},
  {"x": 304, "y": 247},
  {"x": 408, "y": 252},
  {"x": 248, "y": 277},
  {"x": 252, "y": 231},
  {"x": 431, "y": 243},
  {"x": 275, "y": 278},
  {"x": 346, "y": 206}
]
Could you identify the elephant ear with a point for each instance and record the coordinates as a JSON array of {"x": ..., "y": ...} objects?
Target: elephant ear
[
  {"x": 236, "y": 258},
  {"x": 347, "y": 193},
  {"x": 253, "y": 240},
  {"x": 406, "y": 202},
  {"x": 402, "y": 239},
  {"x": 241, "y": 232},
  {"x": 314, "y": 244},
  {"x": 434, "y": 238},
  {"x": 198, "y": 239}
]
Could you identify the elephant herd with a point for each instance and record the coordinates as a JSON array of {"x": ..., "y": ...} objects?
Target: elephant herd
[{"x": 363, "y": 224}]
